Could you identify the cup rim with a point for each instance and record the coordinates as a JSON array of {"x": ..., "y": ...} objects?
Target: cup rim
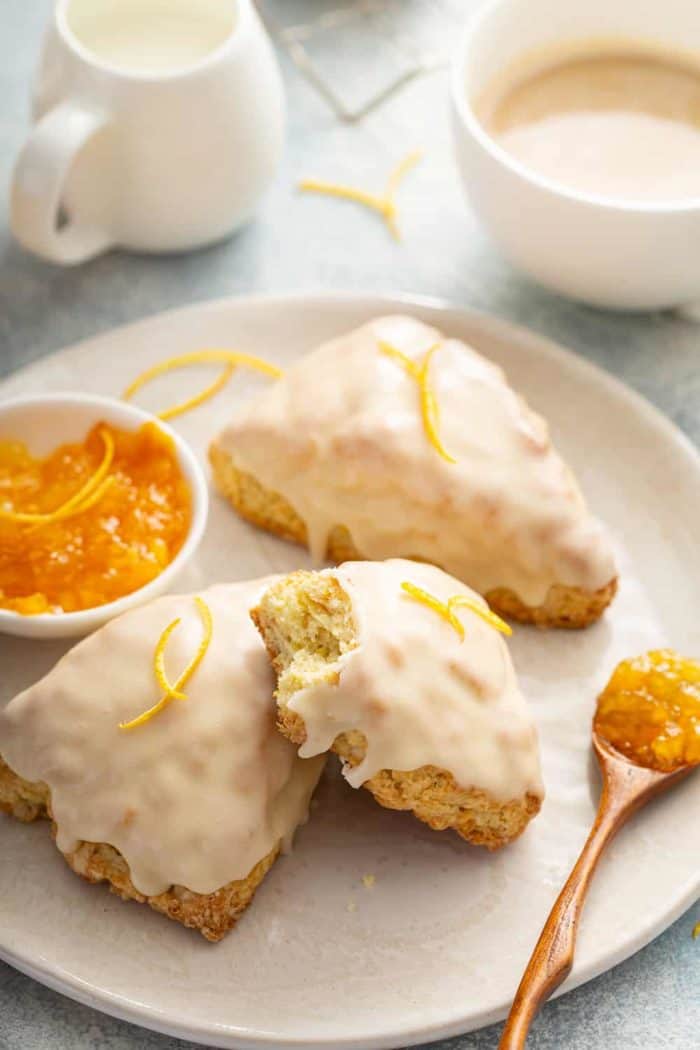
[
  {"x": 243, "y": 13},
  {"x": 462, "y": 106},
  {"x": 77, "y": 624}
]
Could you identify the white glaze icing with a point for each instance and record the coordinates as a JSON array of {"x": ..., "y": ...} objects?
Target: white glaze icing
[
  {"x": 341, "y": 437},
  {"x": 200, "y": 793},
  {"x": 421, "y": 695}
]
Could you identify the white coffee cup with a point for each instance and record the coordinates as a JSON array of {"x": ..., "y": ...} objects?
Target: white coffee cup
[
  {"x": 633, "y": 256},
  {"x": 159, "y": 123}
]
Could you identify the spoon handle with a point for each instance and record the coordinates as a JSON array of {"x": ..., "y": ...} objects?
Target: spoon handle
[{"x": 553, "y": 957}]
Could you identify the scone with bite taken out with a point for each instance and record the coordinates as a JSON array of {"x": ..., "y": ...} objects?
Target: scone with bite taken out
[
  {"x": 397, "y": 441},
  {"x": 404, "y": 673},
  {"x": 153, "y": 749}
]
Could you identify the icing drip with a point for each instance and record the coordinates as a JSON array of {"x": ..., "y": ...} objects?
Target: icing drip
[
  {"x": 197, "y": 795},
  {"x": 341, "y": 436},
  {"x": 419, "y": 693}
]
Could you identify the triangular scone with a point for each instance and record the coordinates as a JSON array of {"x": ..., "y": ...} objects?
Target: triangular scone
[
  {"x": 425, "y": 711},
  {"x": 188, "y": 810},
  {"x": 336, "y": 454}
]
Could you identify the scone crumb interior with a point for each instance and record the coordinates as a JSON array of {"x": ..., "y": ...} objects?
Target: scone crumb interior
[{"x": 308, "y": 625}]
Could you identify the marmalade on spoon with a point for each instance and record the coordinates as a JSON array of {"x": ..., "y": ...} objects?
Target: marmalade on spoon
[
  {"x": 130, "y": 530},
  {"x": 650, "y": 710}
]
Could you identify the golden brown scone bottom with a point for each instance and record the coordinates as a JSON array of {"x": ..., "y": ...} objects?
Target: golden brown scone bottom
[
  {"x": 213, "y": 914},
  {"x": 568, "y": 607},
  {"x": 431, "y": 793}
]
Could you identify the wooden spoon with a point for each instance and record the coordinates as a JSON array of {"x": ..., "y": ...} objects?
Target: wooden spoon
[{"x": 626, "y": 788}]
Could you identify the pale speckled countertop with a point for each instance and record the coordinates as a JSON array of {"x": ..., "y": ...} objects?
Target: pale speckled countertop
[{"x": 653, "y": 1000}]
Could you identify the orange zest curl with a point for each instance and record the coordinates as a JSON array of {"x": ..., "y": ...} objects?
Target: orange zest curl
[
  {"x": 441, "y": 608},
  {"x": 174, "y": 691},
  {"x": 384, "y": 204},
  {"x": 200, "y": 398},
  {"x": 233, "y": 359},
  {"x": 447, "y": 609},
  {"x": 86, "y": 497},
  {"x": 430, "y": 410},
  {"x": 410, "y": 366},
  {"x": 171, "y": 691},
  {"x": 461, "y": 601}
]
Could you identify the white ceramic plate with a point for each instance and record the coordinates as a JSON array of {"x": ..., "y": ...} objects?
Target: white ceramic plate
[{"x": 436, "y": 946}]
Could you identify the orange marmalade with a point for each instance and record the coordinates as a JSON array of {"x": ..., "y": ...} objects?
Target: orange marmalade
[
  {"x": 650, "y": 710},
  {"x": 91, "y": 522}
]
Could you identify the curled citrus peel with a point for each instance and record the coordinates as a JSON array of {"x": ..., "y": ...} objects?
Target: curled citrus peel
[
  {"x": 86, "y": 497},
  {"x": 384, "y": 204},
  {"x": 93, "y": 498},
  {"x": 441, "y": 608},
  {"x": 200, "y": 398},
  {"x": 170, "y": 691},
  {"x": 174, "y": 691},
  {"x": 459, "y": 601},
  {"x": 233, "y": 359},
  {"x": 696, "y": 931},
  {"x": 430, "y": 410}
]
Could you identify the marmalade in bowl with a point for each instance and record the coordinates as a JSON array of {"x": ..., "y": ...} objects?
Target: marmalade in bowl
[
  {"x": 650, "y": 710},
  {"x": 91, "y": 522}
]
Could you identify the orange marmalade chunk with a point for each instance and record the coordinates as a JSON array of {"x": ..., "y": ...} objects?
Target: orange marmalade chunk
[
  {"x": 131, "y": 526},
  {"x": 650, "y": 710}
]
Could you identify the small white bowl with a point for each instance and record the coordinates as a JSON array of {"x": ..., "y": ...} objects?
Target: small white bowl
[
  {"x": 45, "y": 421},
  {"x": 627, "y": 255}
]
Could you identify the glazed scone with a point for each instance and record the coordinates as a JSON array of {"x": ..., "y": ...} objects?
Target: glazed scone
[
  {"x": 187, "y": 811},
  {"x": 336, "y": 455},
  {"x": 425, "y": 720}
]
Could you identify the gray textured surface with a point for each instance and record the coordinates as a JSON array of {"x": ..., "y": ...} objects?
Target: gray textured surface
[{"x": 652, "y": 1001}]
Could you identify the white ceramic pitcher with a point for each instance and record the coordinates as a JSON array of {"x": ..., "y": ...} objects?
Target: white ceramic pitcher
[{"x": 159, "y": 123}]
